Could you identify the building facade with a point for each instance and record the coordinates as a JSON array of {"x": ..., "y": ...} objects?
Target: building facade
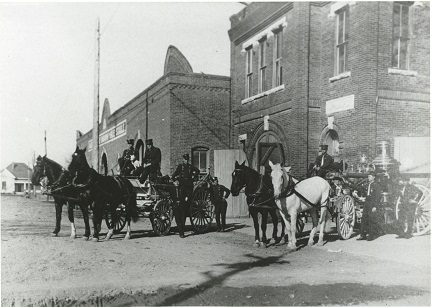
[
  {"x": 345, "y": 74},
  {"x": 183, "y": 112},
  {"x": 15, "y": 178}
]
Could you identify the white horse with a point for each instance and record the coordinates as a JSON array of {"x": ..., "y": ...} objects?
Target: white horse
[{"x": 293, "y": 197}]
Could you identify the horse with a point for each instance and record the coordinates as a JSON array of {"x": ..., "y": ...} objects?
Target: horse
[
  {"x": 294, "y": 197},
  {"x": 106, "y": 193},
  {"x": 50, "y": 175},
  {"x": 258, "y": 191}
]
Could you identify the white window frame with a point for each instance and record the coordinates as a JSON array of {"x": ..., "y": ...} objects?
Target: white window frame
[
  {"x": 344, "y": 12},
  {"x": 263, "y": 86},
  {"x": 249, "y": 72},
  {"x": 201, "y": 151},
  {"x": 398, "y": 38},
  {"x": 278, "y": 57}
]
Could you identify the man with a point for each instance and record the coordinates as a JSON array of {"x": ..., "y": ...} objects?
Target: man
[
  {"x": 124, "y": 161},
  {"x": 152, "y": 160},
  {"x": 185, "y": 174},
  {"x": 409, "y": 201},
  {"x": 220, "y": 194},
  {"x": 371, "y": 222},
  {"x": 322, "y": 162}
]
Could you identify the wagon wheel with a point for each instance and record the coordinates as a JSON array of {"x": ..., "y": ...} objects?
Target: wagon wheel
[
  {"x": 422, "y": 213},
  {"x": 346, "y": 217},
  {"x": 161, "y": 217},
  {"x": 300, "y": 223},
  {"x": 201, "y": 210},
  {"x": 118, "y": 221}
]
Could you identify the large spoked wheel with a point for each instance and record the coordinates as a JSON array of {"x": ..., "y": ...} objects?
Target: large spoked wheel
[
  {"x": 346, "y": 217},
  {"x": 117, "y": 221},
  {"x": 300, "y": 223},
  {"x": 161, "y": 217},
  {"x": 422, "y": 213},
  {"x": 201, "y": 210}
]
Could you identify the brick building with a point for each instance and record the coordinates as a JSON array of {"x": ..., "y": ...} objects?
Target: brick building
[
  {"x": 183, "y": 112},
  {"x": 310, "y": 73}
]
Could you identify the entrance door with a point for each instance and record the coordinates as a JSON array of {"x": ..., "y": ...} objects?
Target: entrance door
[
  {"x": 268, "y": 148},
  {"x": 104, "y": 165}
]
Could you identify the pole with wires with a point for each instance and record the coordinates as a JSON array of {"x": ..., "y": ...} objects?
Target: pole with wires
[{"x": 95, "y": 136}]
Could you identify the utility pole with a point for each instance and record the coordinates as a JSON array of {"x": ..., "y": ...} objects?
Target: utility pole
[
  {"x": 95, "y": 139},
  {"x": 45, "y": 144}
]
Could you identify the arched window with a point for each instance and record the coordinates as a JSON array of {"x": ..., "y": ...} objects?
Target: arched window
[
  {"x": 104, "y": 165},
  {"x": 331, "y": 139},
  {"x": 140, "y": 150},
  {"x": 200, "y": 159}
]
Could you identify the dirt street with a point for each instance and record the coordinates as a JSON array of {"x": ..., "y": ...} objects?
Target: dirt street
[{"x": 209, "y": 269}]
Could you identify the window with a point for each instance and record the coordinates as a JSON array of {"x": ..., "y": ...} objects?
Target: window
[
  {"x": 342, "y": 39},
  {"x": 3, "y": 185},
  {"x": 249, "y": 73},
  {"x": 400, "y": 37},
  {"x": 262, "y": 65},
  {"x": 278, "y": 68},
  {"x": 200, "y": 159}
]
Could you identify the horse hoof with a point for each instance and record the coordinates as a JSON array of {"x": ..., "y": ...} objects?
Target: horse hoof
[
  {"x": 256, "y": 244},
  {"x": 85, "y": 238},
  {"x": 320, "y": 243},
  {"x": 73, "y": 236},
  {"x": 310, "y": 244},
  {"x": 95, "y": 240},
  {"x": 127, "y": 237},
  {"x": 54, "y": 234}
]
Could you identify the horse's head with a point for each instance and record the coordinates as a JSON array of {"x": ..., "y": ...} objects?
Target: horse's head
[
  {"x": 238, "y": 178},
  {"x": 38, "y": 171},
  {"x": 279, "y": 177},
  {"x": 79, "y": 160}
]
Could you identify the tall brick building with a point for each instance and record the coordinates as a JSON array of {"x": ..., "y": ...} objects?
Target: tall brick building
[
  {"x": 183, "y": 112},
  {"x": 310, "y": 73}
]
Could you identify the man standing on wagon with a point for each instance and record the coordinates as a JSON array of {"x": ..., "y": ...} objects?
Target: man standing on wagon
[
  {"x": 152, "y": 160},
  {"x": 185, "y": 174}
]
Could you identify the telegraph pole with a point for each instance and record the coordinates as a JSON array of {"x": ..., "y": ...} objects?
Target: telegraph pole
[
  {"x": 45, "y": 144},
  {"x": 95, "y": 139}
]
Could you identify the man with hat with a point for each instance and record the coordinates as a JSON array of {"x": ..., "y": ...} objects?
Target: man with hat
[
  {"x": 125, "y": 162},
  {"x": 408, "y": 202},
  {"x": 371, "y": 221},
  {"x": 322, "y": 162},
  {"x": 152, "y": 160},
  {"x": 220, "y": 194},
  {"x": 185, "y": 174}
]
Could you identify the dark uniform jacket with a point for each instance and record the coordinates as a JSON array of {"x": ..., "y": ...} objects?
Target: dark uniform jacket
[
  {"x": 220, "y": 191},
  {"x": 327, "y": 161},
  {"x": 128, "y": 152},
  {"x": 153, "y": 156},
  {"x": 186, "y": 173},
  {"x": 411, "y": 193}
]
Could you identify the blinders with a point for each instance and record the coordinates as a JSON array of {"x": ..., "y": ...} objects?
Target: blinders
[{"x": 238, "y": 181}]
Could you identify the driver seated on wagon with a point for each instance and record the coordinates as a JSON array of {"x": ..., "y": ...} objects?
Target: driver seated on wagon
[
  {"x": 152, "y": 160},
  {"x": 322, "y": 163}
]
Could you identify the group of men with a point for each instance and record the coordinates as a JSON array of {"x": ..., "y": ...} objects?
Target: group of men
[
  {"x": 373, "y": 221},
  {"x": 184, "y": 176}
]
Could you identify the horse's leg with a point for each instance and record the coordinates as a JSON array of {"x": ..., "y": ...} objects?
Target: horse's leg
[
  {"x": 58, "y": 211},
  {"x": 84, "y": 209},
  {"x": 324, "y": 217},
  {"x": 253, "y": 212},
  {"x": 112, "y": 211},
  {"x": 293, "y": 215},
  {"x": 71, "y": 220},
  {"x": 127, "y": 237},
  {"x": 313, "y": 214},
  {"x": 264, "y": 214},
  {"x": 274, "y": 218},
  {"x": 287, "y": 226},
  {"x": 97, "y": 220}
]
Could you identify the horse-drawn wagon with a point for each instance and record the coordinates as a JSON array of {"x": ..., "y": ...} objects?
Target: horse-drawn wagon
[{"x": 156, "y": 201}]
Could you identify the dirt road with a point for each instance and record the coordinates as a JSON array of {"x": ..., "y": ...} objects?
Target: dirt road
[{"x": 209, "y": 269}]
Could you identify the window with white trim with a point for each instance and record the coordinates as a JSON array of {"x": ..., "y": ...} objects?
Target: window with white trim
[
  {"x": 400, "y": 36},
  {"x": 200, "y": 159},
  {"x": 262, "y": 65},
  {"x": 278, "y": 46},
  {"x": 249, "y": 72},
  {"x": 342, "y": 40}
]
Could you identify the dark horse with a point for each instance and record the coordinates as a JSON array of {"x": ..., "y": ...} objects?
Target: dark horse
[
  {"x": 260, "y": 199},
  {"x": 50, "y": 175},
  {"x": 106, "y": 193}
]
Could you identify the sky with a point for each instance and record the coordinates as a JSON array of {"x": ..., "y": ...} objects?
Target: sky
[{"x": 47, "y": 63}]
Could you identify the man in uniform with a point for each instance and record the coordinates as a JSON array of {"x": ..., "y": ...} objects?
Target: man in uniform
[
  {"x": 137, "y": 167},
  {"x": 124, "y": 161},
  {"x": 409, "y": 201},
  {"x": 371, "y": 222},
  {"x": 220, "y": 194},
  {"x": 152, "y": 160},
  {"x": 322, "y": 162},
  {"x": 185, "y": 174}
]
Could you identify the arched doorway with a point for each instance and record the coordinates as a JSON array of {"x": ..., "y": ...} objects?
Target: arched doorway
[
  {"x": 332, "y": 140},
  {"x": 104, "y": 164},
  {"x": 268, "y": 148}
]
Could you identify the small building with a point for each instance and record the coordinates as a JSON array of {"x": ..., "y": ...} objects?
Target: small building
[
  {"x": 16, "y": 178},
  {"x": 183, "y": 112}
]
